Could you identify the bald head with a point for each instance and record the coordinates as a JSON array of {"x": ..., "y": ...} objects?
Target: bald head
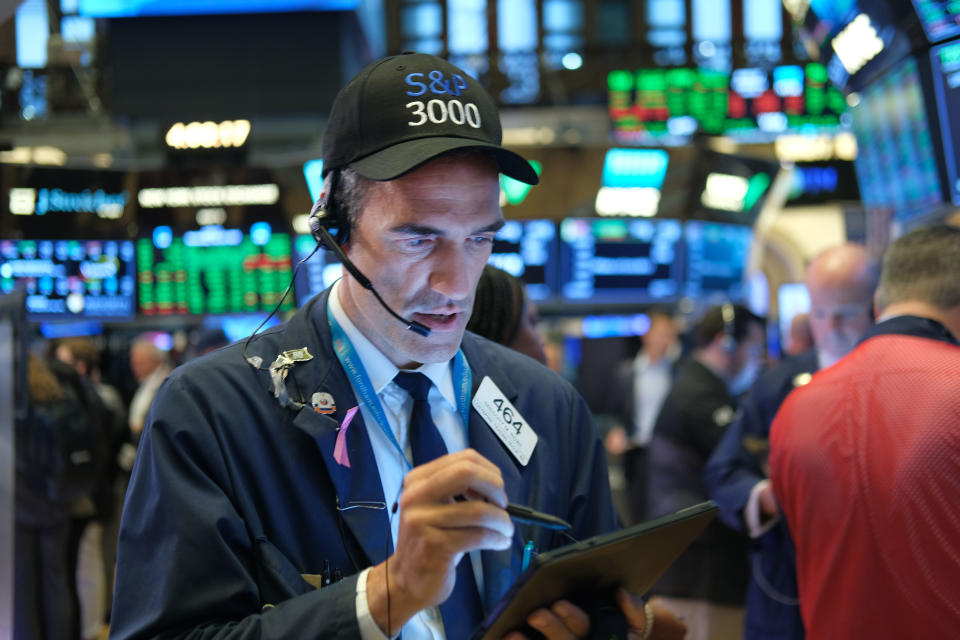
[
  {"x": 841, "y": 281},
  {"x": 145, "y": 357}
]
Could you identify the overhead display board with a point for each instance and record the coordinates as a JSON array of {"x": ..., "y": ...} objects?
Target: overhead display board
[
  {"x": 669, "y": 105},
  {"x": 896, "y": 163},
  {"x": 940, "y": 18},
  {"x": 945, "y": 61},
  {"x": 70, "y": 279},
  {"x": 320, "y": 271},
  {"x": 213, "y": 270},
  {"x": 130, "y": 8},
  {"x": 716, "y": 255},
  {"x": 46, "y": 202},
  {"x": 528, "y": 250},
  {"x": 620, "y": 260}
]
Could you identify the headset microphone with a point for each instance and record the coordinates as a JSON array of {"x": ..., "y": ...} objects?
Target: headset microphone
[{"x": 320, "y": 231}]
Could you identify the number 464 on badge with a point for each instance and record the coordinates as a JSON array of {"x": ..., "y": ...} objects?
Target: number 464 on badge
[{"x": 505, "y": 421}]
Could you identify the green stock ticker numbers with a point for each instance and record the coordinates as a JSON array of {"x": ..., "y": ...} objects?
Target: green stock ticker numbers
[
  {"x": 647, "y": 104},
  {"x": 235, "y": 275}
]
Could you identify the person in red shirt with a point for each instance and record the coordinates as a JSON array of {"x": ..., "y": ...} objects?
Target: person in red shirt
[{"x": 864, "y": 460}]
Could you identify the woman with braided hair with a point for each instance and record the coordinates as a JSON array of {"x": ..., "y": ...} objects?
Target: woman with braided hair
[{"x": 503, "y": 312}]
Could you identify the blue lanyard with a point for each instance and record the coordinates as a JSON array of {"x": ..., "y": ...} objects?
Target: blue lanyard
[{"x": 350, "y": 361}]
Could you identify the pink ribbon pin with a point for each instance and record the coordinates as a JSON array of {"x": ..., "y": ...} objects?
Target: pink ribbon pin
[{"x": 340, "y": 448}]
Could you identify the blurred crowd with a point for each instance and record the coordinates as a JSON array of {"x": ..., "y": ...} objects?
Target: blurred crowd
[
  {"x": 74, "y": 454},
  {"x": 787, "y": 449}
]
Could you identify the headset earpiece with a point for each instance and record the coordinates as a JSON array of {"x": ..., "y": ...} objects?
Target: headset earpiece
[{"x": 326, "y": 215}]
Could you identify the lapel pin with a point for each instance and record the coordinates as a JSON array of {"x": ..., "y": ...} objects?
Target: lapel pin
[{"x": 323, "y": 403}]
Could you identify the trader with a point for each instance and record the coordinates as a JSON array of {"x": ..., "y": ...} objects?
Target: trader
[
  {"x": 863, "y": 460},
  {"x": 706, "y": 584},
  {"x": 841, "y": 281},
  {"x": 310, "y": 482}
]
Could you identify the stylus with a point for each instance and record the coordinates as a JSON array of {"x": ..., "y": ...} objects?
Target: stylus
[{"x": 526, "y": 515}]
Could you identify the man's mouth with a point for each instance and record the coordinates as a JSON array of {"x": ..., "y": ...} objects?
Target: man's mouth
[{"x": 437, "y": 320}]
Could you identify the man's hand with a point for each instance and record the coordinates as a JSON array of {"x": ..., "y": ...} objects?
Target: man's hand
[
  {"x": 435, "y": 531},
  {"x": 616, "y": 441},
  {"x": 768, "y": 502},
  {"x": 565, "y": 621}
]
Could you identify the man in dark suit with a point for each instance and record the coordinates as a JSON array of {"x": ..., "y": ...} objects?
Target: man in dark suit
[
  {"x": 840, "y": 281},
  {"x": 343, "y": 475}
]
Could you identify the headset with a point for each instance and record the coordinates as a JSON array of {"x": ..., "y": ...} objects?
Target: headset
[
  {"x": 728, "y": 313},
  {"x": 326, "y": 215}
]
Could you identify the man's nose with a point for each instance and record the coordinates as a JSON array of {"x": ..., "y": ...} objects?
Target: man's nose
[{"x": 450, "y": 273}]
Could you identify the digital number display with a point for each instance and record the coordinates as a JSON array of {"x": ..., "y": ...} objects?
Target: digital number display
[
  {"x": 316, "y": 274},
  {"x": 649, "y": 105},
  {"x": 716, "y": 259},
  {"x": 65, "y": 279},
  {"x": 896, "y": 164},
  {"x": 946, "y": 85},
  {"x": 215, "y": 271},
  {"x": 620, "y": 260},
  {"x": 527, "y": 249}
]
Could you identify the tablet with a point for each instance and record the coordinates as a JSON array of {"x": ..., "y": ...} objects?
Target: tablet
[{"x": 633, "y": 558}]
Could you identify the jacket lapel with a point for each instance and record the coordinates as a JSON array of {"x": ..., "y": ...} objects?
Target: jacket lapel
[
  {"x": 360, "y": 499},
  {"x": 359, "y": 494}
]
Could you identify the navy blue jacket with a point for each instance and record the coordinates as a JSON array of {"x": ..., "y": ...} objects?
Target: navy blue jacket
[
  {"x": 234, "y": 499},
  {"x": 737, "y": 464}
]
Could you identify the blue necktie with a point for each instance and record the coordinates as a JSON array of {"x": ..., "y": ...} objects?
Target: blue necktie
[{"x": 462, "y": 612}]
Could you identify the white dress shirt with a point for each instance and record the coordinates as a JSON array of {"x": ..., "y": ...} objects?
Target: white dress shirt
[
  {"x": 397, "y": 405},
  {"x": 651, "y": 384}
]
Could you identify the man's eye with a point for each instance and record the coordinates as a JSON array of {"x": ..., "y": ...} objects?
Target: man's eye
[
  {"x": 482, "y": 240},
  {"x": 417, "y": 243}
]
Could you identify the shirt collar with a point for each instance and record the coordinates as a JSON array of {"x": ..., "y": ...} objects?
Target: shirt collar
[{"x": 377, "y": 365}]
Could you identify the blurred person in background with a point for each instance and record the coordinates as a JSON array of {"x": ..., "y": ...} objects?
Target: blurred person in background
[
  {"x": 801, "y": 335},
  {"x": 47, "y": 488},
  {"x": 641, "y": 386},
  {"x": 705, "y": 586},
  {"x": 841, "y": 282},
  {"x": 94, "y": 530},
  {"x": 504, "y": 313},
  {"x": 150, "y": 366},
  {"x": 864, "y": 460}
]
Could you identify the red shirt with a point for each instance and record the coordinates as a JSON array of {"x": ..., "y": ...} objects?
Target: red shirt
[{"x": 865, "y": 463}]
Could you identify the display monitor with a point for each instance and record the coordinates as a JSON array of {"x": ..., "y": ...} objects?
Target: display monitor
[
  {"x": 940, "y": 18},
  {"x": 896, "y": 161},
  {"x": 730, "y": 188},
  {"x": 213, "y": 270},
  {"x": 716, "y": 258},
  {"x": 240, "y": 326},
  {"x": 71, "y": 279},
  {"x": 528, "y": 250},
  {"x": 668, "y": 105},
  {"x": 620, "y": 260},
  {"x": 945, "y": 61},
  {"x": 321, "y": 270},
  {"x": 130, "y": 8}
]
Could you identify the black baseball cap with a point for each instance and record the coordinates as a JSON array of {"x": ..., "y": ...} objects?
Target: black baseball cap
[{"x": 401, "y": 111}]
